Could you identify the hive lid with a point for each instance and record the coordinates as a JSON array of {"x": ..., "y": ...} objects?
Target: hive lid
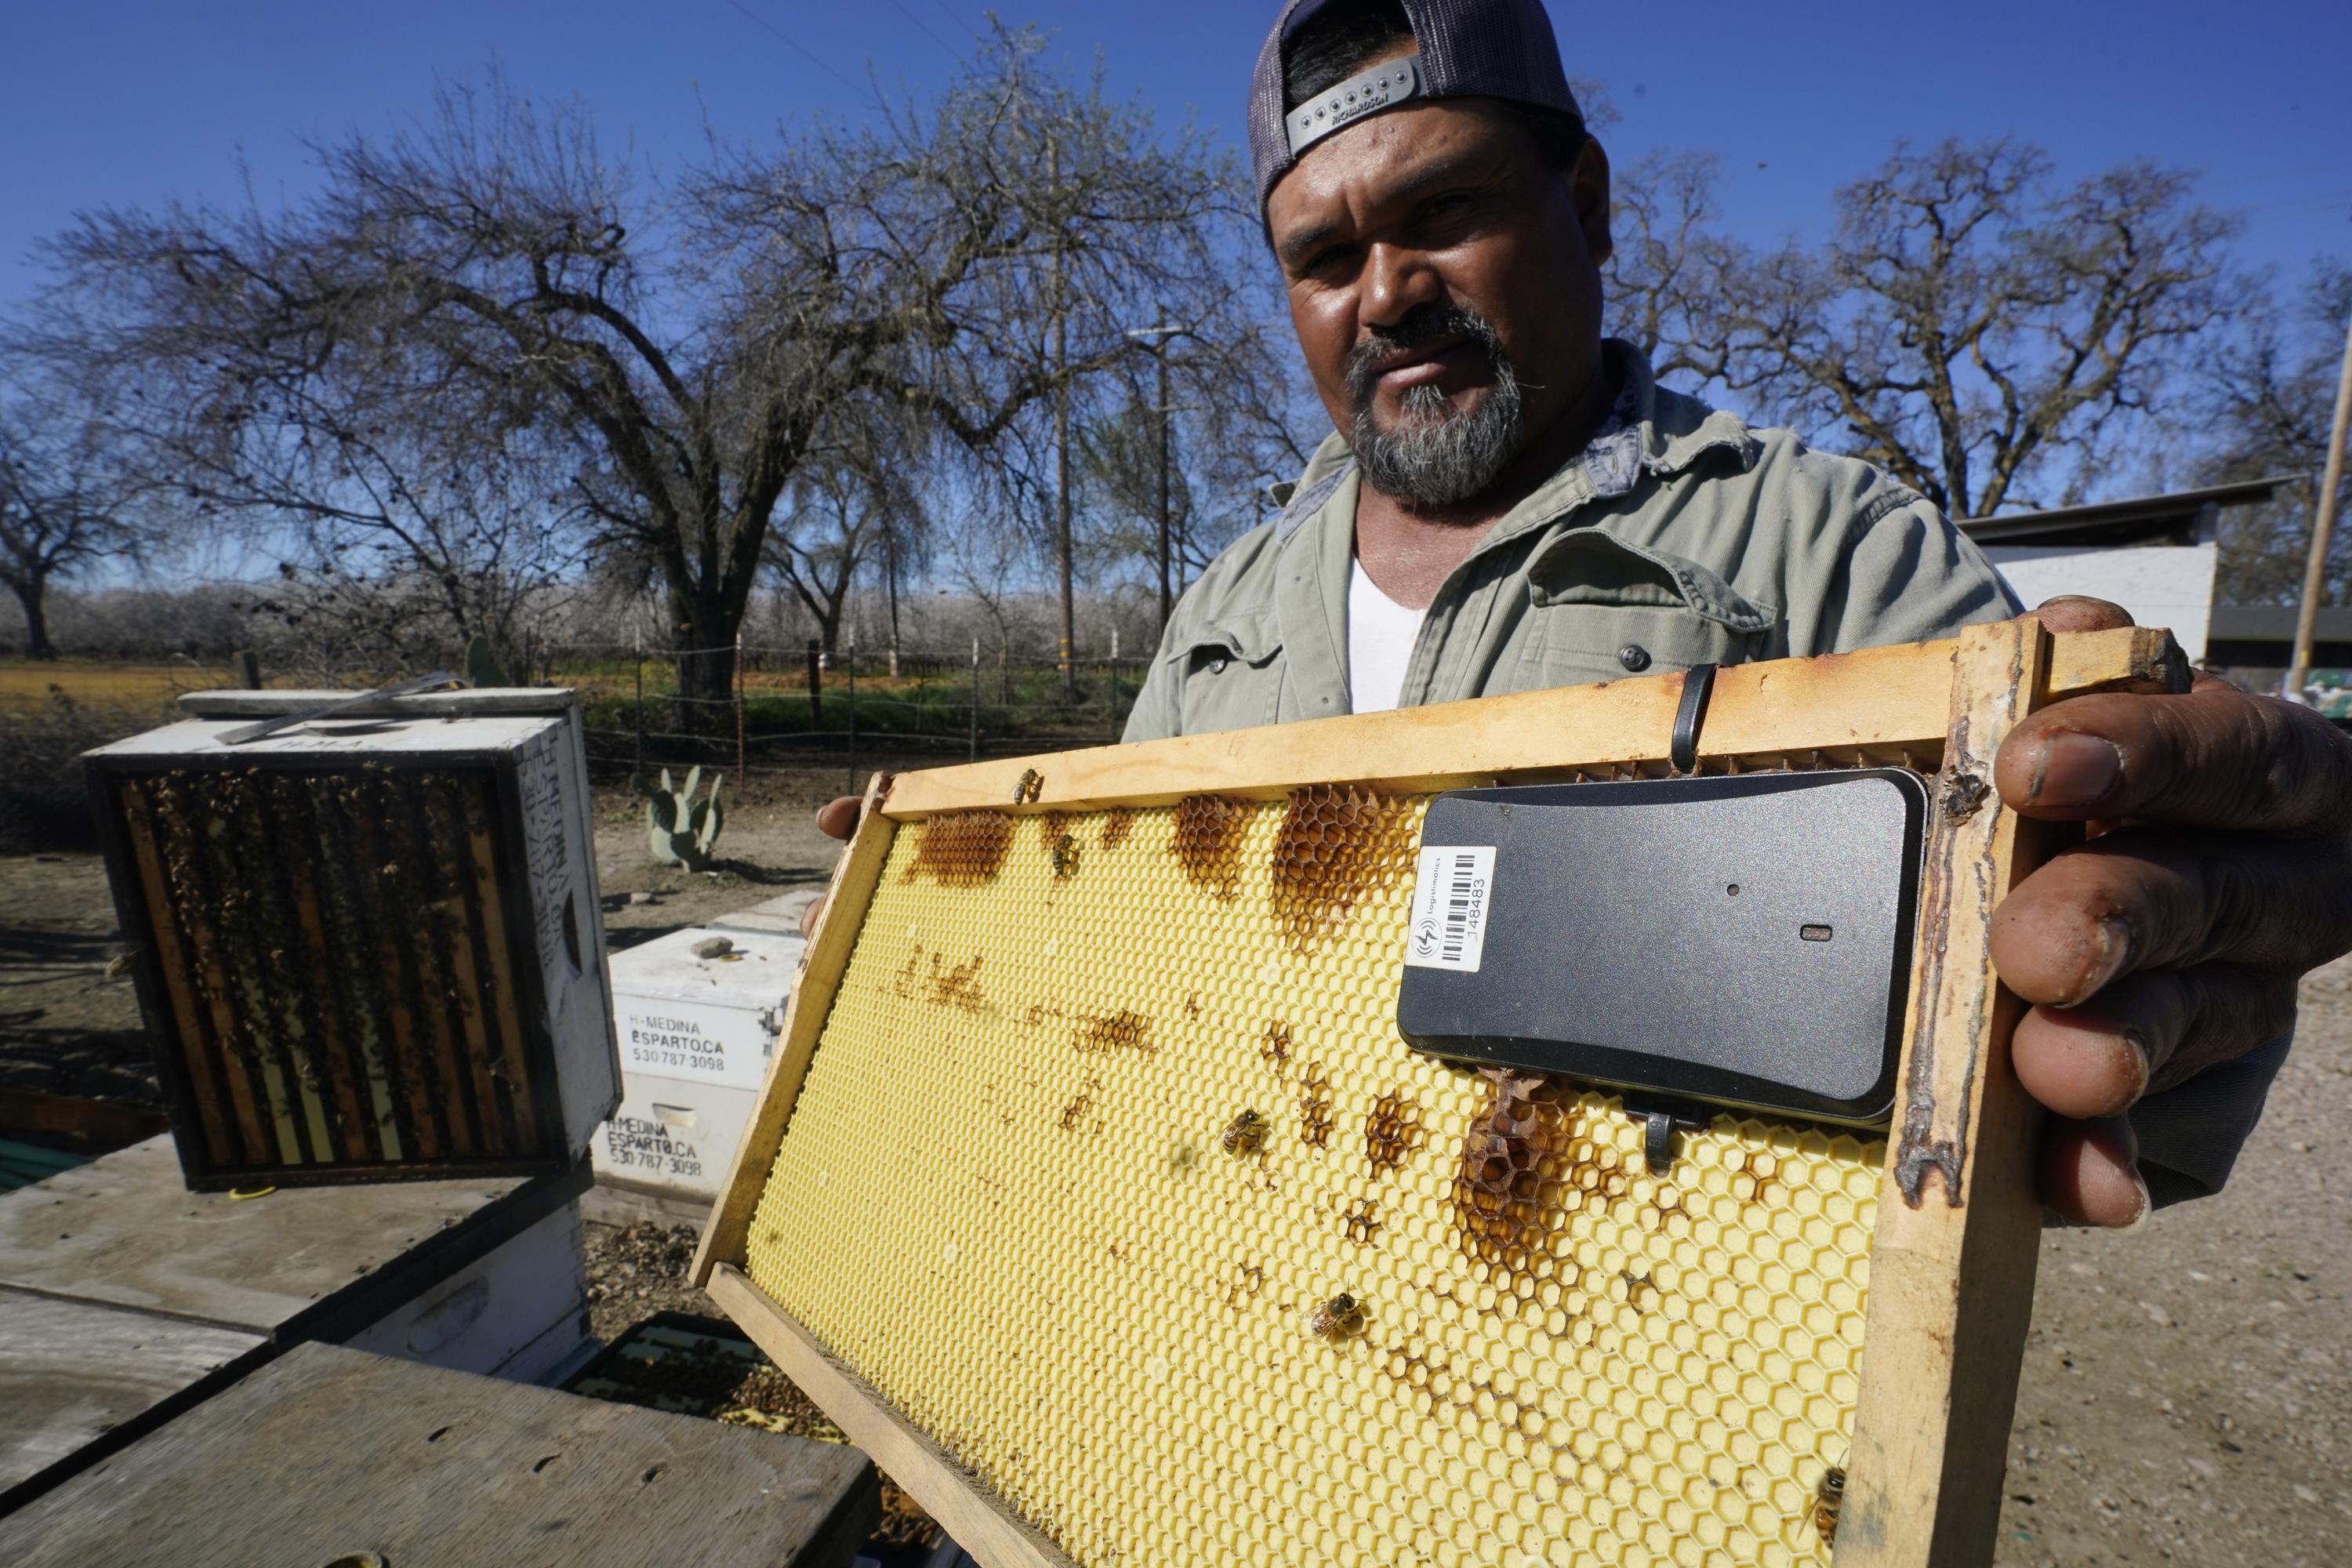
[
  {"x": 759, "y": 974},
  {"x": 234, "y": 704},
  {"x": 389, "y": 735}
]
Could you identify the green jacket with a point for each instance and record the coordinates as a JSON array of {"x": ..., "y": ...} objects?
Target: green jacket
[
  {"x": 1680, "y": 536},
  {"x": 1685, "y": 538}
]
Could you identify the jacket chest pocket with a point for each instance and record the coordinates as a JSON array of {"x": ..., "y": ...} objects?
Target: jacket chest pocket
[
  {"x": 1601, "y": 609},
  {"x": 1231, "y": 674},
  {"x": 1595, "y": 640}
]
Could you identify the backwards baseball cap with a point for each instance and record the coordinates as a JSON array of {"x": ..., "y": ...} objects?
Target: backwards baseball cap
[{"x": 1463, "y": 48}]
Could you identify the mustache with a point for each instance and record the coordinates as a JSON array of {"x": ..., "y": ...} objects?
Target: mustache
[{"x": 1362, "y": 367}]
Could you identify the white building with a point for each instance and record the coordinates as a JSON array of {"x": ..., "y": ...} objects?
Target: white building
[{"x": 2155, "y": 555}]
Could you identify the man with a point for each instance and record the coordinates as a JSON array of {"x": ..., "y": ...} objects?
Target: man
[{"x": 1509, "y": 502}]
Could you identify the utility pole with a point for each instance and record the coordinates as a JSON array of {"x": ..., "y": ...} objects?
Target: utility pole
[
  {"x": 891, "y": 582},
  {"x": 1062, "y": 547},
  {"x": 2315, "y": 571},
  {"x": 1157, "y": 336}
]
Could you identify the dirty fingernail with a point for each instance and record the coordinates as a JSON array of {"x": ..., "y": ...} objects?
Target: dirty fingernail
[
  {"x": 2114, "y": 953},
  {"x": 2137, "y": 1062},
  {"x": 2078, "y": 770},
  {"x": 2146, "y": 1204}
]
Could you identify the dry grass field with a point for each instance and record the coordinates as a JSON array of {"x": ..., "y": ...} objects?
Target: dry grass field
[{"x": 26, "y": 685}]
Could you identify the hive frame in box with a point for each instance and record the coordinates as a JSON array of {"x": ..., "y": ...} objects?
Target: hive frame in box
[
  {"x": 534, "y": 850},
  {"x": 1954, "y": 1249}
]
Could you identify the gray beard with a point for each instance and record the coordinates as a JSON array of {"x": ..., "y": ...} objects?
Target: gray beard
[{"x": 1435, "y": 455}]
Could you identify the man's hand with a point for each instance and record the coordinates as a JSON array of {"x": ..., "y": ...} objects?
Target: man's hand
[
  {"x": 837, "y": 818},
  {"x": 2217, "y": 870}
]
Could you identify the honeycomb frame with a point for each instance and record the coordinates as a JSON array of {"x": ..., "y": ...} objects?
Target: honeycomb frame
[{"x": 1174, "y": 1268}]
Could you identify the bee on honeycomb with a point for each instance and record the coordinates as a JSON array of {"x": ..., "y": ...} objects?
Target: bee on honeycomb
[
  {"x": 1061, "y": 844},
  {"x": 1829, "y": 1498},
  {"x": 1244, "y": 1134},
  {"x": 1341, "y": 1317}
]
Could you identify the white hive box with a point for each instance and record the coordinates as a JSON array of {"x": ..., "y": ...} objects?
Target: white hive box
[
  {"x": 368, "y": 946},
  {"x": 519, "y": 1311},
  {"x": 696, "y": 1036}
]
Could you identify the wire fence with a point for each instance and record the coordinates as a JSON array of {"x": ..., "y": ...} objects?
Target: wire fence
[{"x": 774, "y": 708}]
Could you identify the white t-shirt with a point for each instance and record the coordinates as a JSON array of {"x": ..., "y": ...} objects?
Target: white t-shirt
[{"x": 1381, "y": 634}]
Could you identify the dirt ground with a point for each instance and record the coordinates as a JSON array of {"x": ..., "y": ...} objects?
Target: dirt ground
[{"x": 2187, "y": 1395}]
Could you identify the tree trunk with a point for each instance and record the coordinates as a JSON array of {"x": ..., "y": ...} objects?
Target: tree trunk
[
  {"x": 705, "y": 660},
  {"x": 30, "y": 594}
]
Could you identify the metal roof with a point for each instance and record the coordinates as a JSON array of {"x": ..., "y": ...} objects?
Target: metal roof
[
  {"x": 2275, "y": 623},
  {"x": 2141, "y": 521}
]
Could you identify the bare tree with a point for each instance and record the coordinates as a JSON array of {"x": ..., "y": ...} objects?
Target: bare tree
[
  {"x": 1972, "y": 327},
  {"x": 67, "y": 499},
  {"x": 2274, "y": 389},
  {"x": 402, "y": 542},
  {"x": 1668, "y": 263},
  {"x": 687, "y": 348},
  {"x": 855, "y": 504}
]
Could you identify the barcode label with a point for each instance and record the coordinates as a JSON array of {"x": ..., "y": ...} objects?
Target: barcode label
[{"x": 1451, "y": 892}]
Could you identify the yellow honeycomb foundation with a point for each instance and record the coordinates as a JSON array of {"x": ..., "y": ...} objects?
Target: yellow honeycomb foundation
[{"x": 1013, "y": 1197}]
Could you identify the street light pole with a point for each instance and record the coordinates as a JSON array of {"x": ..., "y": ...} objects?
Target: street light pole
[{"x": 1167, "y": 601}]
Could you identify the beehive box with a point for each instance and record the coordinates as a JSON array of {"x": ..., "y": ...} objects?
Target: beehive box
[
  {"x": 696, "y": 1036},
  {"x": 1095, "y": 1194},
  {"x": 365, "y": 947}
]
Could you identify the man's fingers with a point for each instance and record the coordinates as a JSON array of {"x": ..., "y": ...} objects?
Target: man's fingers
[
  {"x": 2090, "y": 1171},
  {"x": 837, "y": 818},
  {"x": 2211, "y": 758},
  {"x": 2081, "y": 613},
  {"x": 2139, "y": 899},
  {"x": 2146, "y": 1033}
]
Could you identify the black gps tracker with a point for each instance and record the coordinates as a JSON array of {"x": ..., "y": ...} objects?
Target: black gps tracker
[{"x": 1741, "y": 940}]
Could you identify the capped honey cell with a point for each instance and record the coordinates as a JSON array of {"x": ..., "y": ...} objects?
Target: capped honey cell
[{"x": 1556, "y": 1357}]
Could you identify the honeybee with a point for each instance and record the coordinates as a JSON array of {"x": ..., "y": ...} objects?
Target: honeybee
[
  {"x": 1341, "y": 1317},
  {"x": 1829, "y": 1495},
  {"x": 1243, "y": 1134},
  {"x": 1065, "y": 855},
  {"x": 1027, "y": 788}
]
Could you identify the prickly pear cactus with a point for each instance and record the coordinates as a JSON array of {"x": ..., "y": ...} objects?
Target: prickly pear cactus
[
  {"x": 681, "y": 830},
  {"x": 482, "y": 668}
]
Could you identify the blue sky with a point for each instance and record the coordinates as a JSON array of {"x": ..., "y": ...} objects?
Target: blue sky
[{"x": 138, "y": 103}]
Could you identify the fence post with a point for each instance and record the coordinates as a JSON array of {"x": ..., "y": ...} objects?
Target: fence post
[
  {"x": 852, "y": 663},
  {"x": 248, "y": 670},
  {"x": 738, "y": 712},
  {"x": 815, "y": 680},
  {"x": 639, "y": 770},
  {"x": 974, "y": 750}
]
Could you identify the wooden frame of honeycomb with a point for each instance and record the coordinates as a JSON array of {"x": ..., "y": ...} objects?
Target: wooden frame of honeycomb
[{"x": 1141, "y": 1272}]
